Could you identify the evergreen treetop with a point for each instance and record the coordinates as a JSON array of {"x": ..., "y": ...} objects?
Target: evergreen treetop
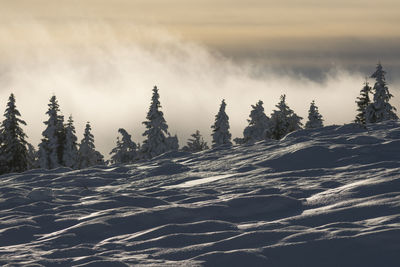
[
  {"x": 221, "y": 134},
  {"x": 362, "y": 103},
  {"x": 380, "y": 109},
  {"x": 70, "y": 147},
  {"x": 13, "y": 147},
  {"x": 51, "y": 146},
  {"x": 258, "y": 124},
  {"x": 283, "y": 120},
  {"x": 196, "y": 143},
  {"x": 88, "y": 156},
  {"x": 156, "y": 133},
  {"x": 314, "y": 117},
  {"x": 88, "y": 138},
  {"x": 125, "y": 151}
]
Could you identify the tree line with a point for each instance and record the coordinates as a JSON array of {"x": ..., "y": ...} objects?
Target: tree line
[{"x": 59, "y": 145}]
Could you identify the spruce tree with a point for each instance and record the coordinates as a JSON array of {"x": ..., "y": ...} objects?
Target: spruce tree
[
  {"x": 88, "y": 156},
  {"x": 172, "y": 142},
  {"x": 221, "y": 134},
  {"x": 51, "y": 146},
  {"x": 314, "y": 117},
  {"x": 283, "y": 120},
  {"x": 13, "y": 148},
  {"x": 61, "y": 138},
  {"x": 362, "y": 103},
  {"x": 33, "y": 161},
  {"x": 70, "y": 147},
  {"x": 196, "y": 143},
  {"x": 116, "y": 153},
  {"x": 258, "y": 124},
  {"x": 125, "y": 151},
  {"x": 156, "y": 132},
  {"x": 380, "y": 110}
]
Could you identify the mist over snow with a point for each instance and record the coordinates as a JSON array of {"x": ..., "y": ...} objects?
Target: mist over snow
[{"x": 105, "y": 76}]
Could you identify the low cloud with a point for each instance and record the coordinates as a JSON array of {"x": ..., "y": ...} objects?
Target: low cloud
[{"x": 106, "y": 78}]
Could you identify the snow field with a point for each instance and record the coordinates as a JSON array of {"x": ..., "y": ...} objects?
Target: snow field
[{"x": 325, "y": 197}]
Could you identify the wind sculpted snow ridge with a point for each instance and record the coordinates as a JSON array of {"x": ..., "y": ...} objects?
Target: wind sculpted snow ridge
[{"x": 325, "y": 197}]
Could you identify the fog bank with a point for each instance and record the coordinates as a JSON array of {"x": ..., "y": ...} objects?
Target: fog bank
[{"x": 107, "y": 79}]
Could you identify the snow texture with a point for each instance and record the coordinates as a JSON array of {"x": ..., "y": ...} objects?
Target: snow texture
[{"x": 322, "y": 197}]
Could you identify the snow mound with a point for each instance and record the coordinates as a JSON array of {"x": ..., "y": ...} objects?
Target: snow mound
[
  {"x": 323, "y": 197},
  {"x": 41, "y": 194}
]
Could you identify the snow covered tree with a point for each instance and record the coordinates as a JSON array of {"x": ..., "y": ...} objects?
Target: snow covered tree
[
  {"x": 362, "y": 103},
  {"x": 196, "y": 143},
  {"x": 99, "y": 158},
  {"x": 283, "y": 120},
  {"x": 61, "y": 136},
  {"x": 70, "y": 153},
  {"x": 88, "y": 156},
  {"x": 314, "y": 117},
  {"x": 221, "y": 134},
  {"x": 117, "y": 153},
  {"x": 125, "y": 151},
  {"x": 258, "y": 124},
  {"x": 51, "y": 146},
  {"x": 33, "y": 161},
  {"x": 380, "y": 109},
  {"x": 173, "y": 143},
  {"x": 13, "y": 147},
  {"x": 156, "y": 133}
]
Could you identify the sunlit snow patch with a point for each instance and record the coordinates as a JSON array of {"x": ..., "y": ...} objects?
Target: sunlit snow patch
[
  {"x": 200, "y": 181},
  {"x": 341, "y": 193}
]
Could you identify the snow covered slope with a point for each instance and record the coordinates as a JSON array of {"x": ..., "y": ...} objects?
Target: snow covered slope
[{"x": 327, "y": 197}]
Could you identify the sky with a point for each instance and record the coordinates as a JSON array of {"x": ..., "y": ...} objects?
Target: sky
[{"x": 101, "y": 58}]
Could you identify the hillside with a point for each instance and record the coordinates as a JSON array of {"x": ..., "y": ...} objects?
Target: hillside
[{"x": 326, "y": 197}]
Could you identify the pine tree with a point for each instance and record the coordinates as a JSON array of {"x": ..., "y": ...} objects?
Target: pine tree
[
  {"x": 14, "y": 145},
  {"x": 51, "y": 146},
  {"x": 156, "y": 132},
  {"x": 61, "y": 138},
  {"x": 99, "y": 158},
  {"x": 196, "y": 143},
  {"x": 88, "y": 156},
  {"x": 125, "y": 151},
  {"x": 70, "y": 153},
  {"x": 172, "y": 143},
  {"x": 33, "y": 161},
  {"x": 314, "y": 118},
  {"x": 221, "y": 134},
  {"x": 3, "y": 158},
  {"x": 258, "y": 124},
  {"x": 380, "y": 109},
  {"x": 283, "y": 120},
  {"x": 362, "y": 103},
  {"x": 117, "y": 153}
]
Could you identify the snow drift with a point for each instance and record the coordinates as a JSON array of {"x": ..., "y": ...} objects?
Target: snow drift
[{"x": 325, "y": 197}]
